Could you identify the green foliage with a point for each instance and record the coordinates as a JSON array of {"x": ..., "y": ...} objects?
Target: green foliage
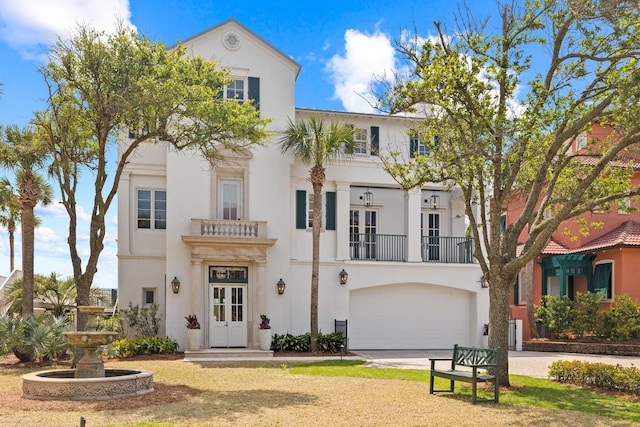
[
  {"x": 33, "y": 339},
  {"x": 113, "y": 323},
  {"x": 327, "y": 343},
  {"x": 600, "y": 375},
  {"x": 128, "y": 347},
  {"x": 586, "y": 316},
  {"x": 622, "y": 321},
  {"x": 557, "y": 313},
  {"x": 145, "y": 319}
]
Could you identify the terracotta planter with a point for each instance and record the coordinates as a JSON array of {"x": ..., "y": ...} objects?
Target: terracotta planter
[
  {"x": 264, "y": 337},
  {"x": 195, "y": 339}
]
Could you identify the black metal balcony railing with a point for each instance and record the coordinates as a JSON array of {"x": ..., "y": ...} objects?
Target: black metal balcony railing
[
  {"x": 377, "y": 247},
  {"x": 391, "y": 247},
  {"x": 454, "y": 250}
]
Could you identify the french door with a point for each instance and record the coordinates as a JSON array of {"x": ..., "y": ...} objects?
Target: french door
[
  {"x": 228, "y": 299},
  {"x": 363, "y": 225}
]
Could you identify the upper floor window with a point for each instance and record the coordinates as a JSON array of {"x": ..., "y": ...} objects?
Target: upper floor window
[
  {"x": 235, "y": 90},
  {"x": 361, "y": 141},
  {"x": 417, "y": 145},
  {"x": 310, "y": 213},
  {"x": 230, "y": 198},
  {"x": 152, "y": 209},
  {"x": 304, "y": 210}
]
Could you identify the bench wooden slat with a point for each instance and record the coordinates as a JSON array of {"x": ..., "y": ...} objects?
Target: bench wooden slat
[{"x": 469, "y": 357}]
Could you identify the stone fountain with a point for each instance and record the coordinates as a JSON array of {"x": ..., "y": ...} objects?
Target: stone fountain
[{"x": 90, "y": 380}]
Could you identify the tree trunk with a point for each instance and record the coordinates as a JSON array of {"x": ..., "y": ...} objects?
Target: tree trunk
[
  {"x": 11, "y": 228},
  {"x": 315, "y": 264},
  {"x": 27, "y": 260},
  {"x": 499, "y": 314},
  {"x": 529, "y": 298}
]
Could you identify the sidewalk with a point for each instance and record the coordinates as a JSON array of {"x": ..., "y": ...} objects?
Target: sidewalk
[{"x": 529, "y": 363}]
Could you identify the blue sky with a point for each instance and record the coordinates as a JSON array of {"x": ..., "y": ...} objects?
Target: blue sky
[{"x": 339, "y": 44}]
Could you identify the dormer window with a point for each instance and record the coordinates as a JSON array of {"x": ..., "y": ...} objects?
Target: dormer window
[{"x": 581, "y": 141}]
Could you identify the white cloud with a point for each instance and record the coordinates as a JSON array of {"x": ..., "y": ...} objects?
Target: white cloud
[
  {"x": 366, "y": 56},
  {"x": 57, "y": 210},
  {"x": 30, "y": 25}
]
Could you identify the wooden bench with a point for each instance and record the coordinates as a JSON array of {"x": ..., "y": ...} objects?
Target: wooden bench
[{"x": 469, "y": 357}]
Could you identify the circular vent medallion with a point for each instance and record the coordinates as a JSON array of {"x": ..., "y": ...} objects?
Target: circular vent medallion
[{"x": 231, "y": 41}]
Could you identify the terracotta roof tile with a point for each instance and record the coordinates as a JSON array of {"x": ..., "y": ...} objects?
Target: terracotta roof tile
[{"x": 626, "y": 234}]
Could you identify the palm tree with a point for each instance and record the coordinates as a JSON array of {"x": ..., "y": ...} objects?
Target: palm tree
[
  {"x": 316, "y": 144},
  {"x": 20, "y": 152},
  {"x": 9, "y": 215}
]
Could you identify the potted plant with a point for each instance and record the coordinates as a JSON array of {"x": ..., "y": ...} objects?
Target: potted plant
[
  {"x": 264, "y": 333},
  {"x": 194, "y": 333}
]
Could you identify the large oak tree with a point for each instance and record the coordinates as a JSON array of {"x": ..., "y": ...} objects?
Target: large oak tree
[{"x": 507, "y": 98}]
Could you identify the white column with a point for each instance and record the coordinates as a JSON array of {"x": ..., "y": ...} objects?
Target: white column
[
  {"x": 198, "y": 291},
  {"x": 412, "y": 208},
  {"x": 260, "y": 302},
  {"x": 343, "y": 195}
]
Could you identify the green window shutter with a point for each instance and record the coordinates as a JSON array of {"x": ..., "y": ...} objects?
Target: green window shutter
[
  {"x": 301, "y": 209},
  {"x": 375, "y": 140},
  {"x": 331, "y": 210},
  {"x": 516, "y": 296},
  {"x": 254, "y": 91}
]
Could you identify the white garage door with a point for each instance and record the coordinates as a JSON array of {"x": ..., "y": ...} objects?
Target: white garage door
[{"x": 409, "y": 316}]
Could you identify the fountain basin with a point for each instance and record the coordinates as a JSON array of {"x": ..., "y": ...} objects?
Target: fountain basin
[{"x": 61, "y": 384}]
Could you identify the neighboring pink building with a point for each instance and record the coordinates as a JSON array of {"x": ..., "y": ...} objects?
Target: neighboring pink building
[{"x": 607, "y": 259}]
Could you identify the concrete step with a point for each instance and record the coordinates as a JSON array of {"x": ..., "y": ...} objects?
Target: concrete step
[{"x": 213, "y": 354}]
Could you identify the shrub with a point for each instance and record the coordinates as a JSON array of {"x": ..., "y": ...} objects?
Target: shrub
[
  {"x": 327, "y": 343},
  {"x": 586, "y": 316},
  {"x": 113, "y": 323},
  {"x": 622, "y": 321},
  {"x": 33, "y": 339},
  {"x": 557, "y": 313},
  {"x": 144, "y": 319},
  {"x": 600, "y": 375},
  {"x": 128, "y": 347}
]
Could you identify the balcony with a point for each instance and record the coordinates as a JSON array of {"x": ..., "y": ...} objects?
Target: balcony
[
  {"x": 390, "y": 247},
  {"x": 228, "y": 228}
]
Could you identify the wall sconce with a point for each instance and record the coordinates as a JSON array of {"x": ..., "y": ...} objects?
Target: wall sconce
[
  {"x": 343, "y": 277},
  {"x": 175, "y": 285},
  {"x": 367, "y": 198},
  {"x": 280, "y": 285},
  {"x": 483, "y": 282},
  {"x": 435, "y": 201}
]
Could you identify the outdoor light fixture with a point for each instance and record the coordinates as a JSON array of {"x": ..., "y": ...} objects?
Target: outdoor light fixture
[
  {"x": 175, "y": 285},
  {"x": 435, "y": 201},
  {"x": 483, "y": 282},
  {"x": 367, "y": 198},
  {"x": 280, "y": 285},
  {"x": 343, "y": 277}
]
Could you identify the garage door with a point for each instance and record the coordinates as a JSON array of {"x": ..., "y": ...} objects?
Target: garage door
[{"x": 409, "y": 316}]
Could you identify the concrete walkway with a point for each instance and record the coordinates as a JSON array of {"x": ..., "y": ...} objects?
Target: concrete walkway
[{"x": 529, "y": 363}]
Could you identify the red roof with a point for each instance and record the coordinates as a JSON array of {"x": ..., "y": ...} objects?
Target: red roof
[{"x": 626, "y": 234}]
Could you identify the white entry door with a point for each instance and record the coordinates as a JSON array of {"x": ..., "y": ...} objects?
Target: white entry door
[{"x": 228, "y": 324}]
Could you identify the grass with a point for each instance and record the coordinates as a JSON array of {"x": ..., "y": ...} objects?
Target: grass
[
  {"x": 313, "y": 394},
  {"x": 527, "y": 391}
]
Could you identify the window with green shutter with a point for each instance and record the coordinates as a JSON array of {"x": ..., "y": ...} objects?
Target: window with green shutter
[{"x": 254, "y": 91}]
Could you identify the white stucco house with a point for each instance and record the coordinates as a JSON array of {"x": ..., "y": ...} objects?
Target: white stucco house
[{"x": 228, "y": 234}]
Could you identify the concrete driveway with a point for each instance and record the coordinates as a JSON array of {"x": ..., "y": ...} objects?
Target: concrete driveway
[{"x": 529, "y": 363}]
